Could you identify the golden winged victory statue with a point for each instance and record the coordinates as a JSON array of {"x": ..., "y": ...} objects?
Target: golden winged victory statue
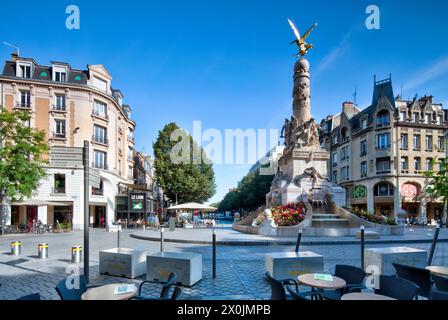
[{"x": 300, "y": 41}]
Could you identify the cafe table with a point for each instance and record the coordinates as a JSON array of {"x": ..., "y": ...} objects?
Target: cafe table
[
  {"x": 443, "y": 271},
  {"x": 310, "y": 280},
  {"x": 107, "y": 292},
  {"x": 365, "y": 296}
]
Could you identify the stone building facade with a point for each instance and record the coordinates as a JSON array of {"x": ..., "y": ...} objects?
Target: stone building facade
[
  {"x": 379, "y": 154},
  {"x": 72, "y": 106}
]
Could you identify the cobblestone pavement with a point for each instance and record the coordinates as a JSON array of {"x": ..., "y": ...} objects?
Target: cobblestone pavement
[{"x": 240, "y": 269}]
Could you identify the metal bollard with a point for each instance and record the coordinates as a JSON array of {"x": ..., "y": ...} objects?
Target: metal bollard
[
  {"x": 214, "y": 254},
  {"x": 362, "y": 247},
  {"x": 76, "y": 254},
  {"x": 16, "y": 248},
  {"x": 299, "y": 238},
  {"x": 42, "y": 250},
  {"x": 161, "y": 239}
]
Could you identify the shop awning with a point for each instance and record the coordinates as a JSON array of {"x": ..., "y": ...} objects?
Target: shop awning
[
  {"x": 193, "y": 206},
  {"x": 136, "y": 187}
]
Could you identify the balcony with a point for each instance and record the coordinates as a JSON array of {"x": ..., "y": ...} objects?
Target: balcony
[
  {"x": 130, "y": 138},
  {"x": 56, "y": 108},
  {"x": 382, "y": 171},
  {"x": 58, "y": 135},
  {"x": 363, "y": 153},
  {"x": 58, "y": 190},
  {"x": 97, "y": 139},
  {"x": 100, "y": 115},
  {"x": 23, "y": 105},
  {"x": 97, "y": 192},
  {"x": 100, "y": 166}
]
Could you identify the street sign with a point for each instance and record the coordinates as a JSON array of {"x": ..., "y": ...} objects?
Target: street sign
[
  {"x": 94, "y": 178},
  {"x": 66, "y": 156}
]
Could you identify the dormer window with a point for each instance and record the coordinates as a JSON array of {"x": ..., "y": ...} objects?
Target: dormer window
[
  {"x": 24, "y": 70},
  {"x": 382, "y": 118},
  {"x": 403, "y": 116},
  {"x": 59, "y": 73},
  {"x": 364, "y": 124},
  {"x": 427, "y": 118}
]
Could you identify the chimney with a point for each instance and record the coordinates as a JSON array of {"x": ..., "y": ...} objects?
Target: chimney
[
  {"x": 348, "y": 107},
  {"x": 14, "y": 56}
]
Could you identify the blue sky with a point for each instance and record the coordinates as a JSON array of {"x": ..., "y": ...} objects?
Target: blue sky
[{"x": 229, "y": 63}]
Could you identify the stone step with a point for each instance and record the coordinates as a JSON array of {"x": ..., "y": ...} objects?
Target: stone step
[
  {"x": 329, "y": 223},
  {"x": 325, "y": 216}
]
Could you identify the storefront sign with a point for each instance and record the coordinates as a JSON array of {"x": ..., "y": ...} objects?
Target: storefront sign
[
  {"x": 138, "y": 202},
  {"x": 409, "y": 190}
]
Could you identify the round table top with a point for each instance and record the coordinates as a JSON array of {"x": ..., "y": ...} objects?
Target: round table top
[
  {"x": 365, "y": 296},
  {"x": 438, "y": 270},
  {"x": 308, "y": 280},
  {"x": 106, "y": 293}
]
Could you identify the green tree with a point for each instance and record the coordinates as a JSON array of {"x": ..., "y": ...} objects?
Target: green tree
[
  {"x": 193, "y": 179},
  {"x": 250, "y": 193},
  {"x": 22, "y": 153},
  {"x": 437, "y": 186}
]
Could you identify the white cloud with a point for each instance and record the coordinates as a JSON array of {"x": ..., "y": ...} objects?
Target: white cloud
[
  {"x": 334, "y": 54},
  {"x": 437, "y": 69}
]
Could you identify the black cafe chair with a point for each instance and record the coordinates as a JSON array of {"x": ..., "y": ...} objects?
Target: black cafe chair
[
  {"x": 440, "y": 282},
  {"x": 353, "y": 276},
  {"x": 421, "y": 277},
  {"x": 397, "y": 288}
]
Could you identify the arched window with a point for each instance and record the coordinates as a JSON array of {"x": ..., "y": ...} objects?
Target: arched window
[
  {"x": 383, "y": 189},
  {"x": 383, "y": 118},
  {"x": 344, "y": 134}
]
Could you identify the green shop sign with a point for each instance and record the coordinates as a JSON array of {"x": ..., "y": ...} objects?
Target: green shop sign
[
  {"x": 359, "y": 192},
  {"x": 138, "y": 202}
]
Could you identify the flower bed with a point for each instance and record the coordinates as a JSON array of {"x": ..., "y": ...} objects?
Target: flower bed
[
  {"x": 289, "y": 215},
  {"x": 368, "y": 216}
]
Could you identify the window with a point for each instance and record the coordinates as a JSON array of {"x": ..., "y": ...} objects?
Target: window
[
  {"x": 99, "y": 109},
  {"x": 416, "y": 142},
  {"x": 441, "y": 162},
  {"x": 403, "y": 116},
  {"x": 427, "y": 118},
  {"x": 335, "y": 139},
  {"x": 364, "y": 124},
  {"x": 383, "y": 189},
  {"x": 363, "y": 147},
  {"x": 383, "y": 165},
  {"x": 417, "y": 164},
  {"x": 119, "y": 167},
  {"x": 404, "y": 141},
  {"x": 24, "y": 71},
  {"x": 59, "y": 128},
  {"x": 344, "y": 153},
  {"x": 120, "y": 144},
  {"x": 98, "y": 191},
  {"x": 59, "y": 183},
  {"x": 429, "y": 165},
  {"x": 363, "y": 169},
  {"x": 344, "y": 134},
  {"x": 382, "y": 118},
  {"x": 25, "y": 99},
  {"x": 60, "y": 76},
  {"x": 344, "y": 173},
  {"x": 334, "y": 159},
  {"x": 428, "y": 143},
  {"x": 439, "y": 119},
  {"x": 415, "y": 117},
  {"x": 60, "y": 102},
  {"x": 404, "y": 163},
  {"x": 130, "y": 135},
  {"x": 383, "y": 141},
  {"x": 130, "y": 153},
  {"x": 99, "y": 134},
  {"x": 100, "y": 159},
  {"x": 441, "y": 143}
]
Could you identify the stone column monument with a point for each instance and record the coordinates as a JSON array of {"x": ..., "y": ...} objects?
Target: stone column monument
[{"x": 302, "y": 172}]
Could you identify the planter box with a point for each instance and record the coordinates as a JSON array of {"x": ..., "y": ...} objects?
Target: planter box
[
  {"x": 382, "y": 258},
  {"x": 122, "y": 262},
  {"x": 288, "y": 265},
  {"x": 187, "y": 267}
]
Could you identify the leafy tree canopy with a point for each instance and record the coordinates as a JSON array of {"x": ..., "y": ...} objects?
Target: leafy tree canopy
[{"x": 190, "y": 180}]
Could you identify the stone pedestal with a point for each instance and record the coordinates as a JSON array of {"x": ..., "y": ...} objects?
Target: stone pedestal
[
  {"x": 122, "y": 262},
  {"x": 288, "y": 265},
  {"x": 380, "y": 259},
  {"x": 187, "y": 267}
]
